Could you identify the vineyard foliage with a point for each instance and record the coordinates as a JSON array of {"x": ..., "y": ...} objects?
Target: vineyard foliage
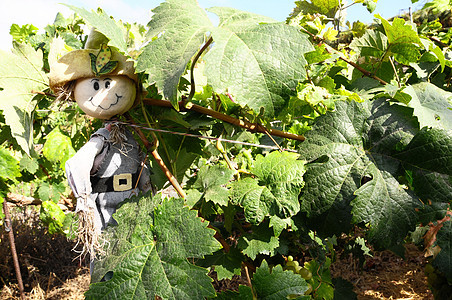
[{"x": 374, "y": 104}]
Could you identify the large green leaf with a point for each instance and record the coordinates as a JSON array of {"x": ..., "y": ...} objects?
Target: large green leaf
[
  {"x": 432, "y": 105},
  {"x": 180, "y": 27},
  {"x": 104, "y": 24},
  {"x": 149, "y": 253},
  {"x": 275, "y": 190},
  {"x": 260, "y": 65},
  {"x": 21, "y": 74},
  {"x": 353, "y": 164}
]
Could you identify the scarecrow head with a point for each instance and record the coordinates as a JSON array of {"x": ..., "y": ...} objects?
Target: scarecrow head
[{"x": 99, "y": 79}]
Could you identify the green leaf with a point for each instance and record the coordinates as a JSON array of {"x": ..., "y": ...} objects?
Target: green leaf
[
  {"x": 259, "y": 65},
  {"x": 443, "y": 261},
  {"x": 353, "y": 163},
  {"x": 321, "y": 278},
  {"x": 324, "y": 7},
  {"x": 260, "y": 241},
  {"x": 52, "y": 192},
  {"x": 149, "y": 256},
  {"x": 165, "y": 58},
  {"x": 212, "y": 181},
  {"x": 256, "y": 200},
  {"x": 235, "y": 19},
  {"x": 432, "y": 105},
  {"x": 372, "y": 43},
  {"x": 226, "y": 264},
  {"x": 9, "y": 166},
  {"x": 22, "y": 33},
  {"x": 371, "y": 5},
  {"x": 275, "y": 283},
  {"x": 20, "y": 74},
  {"x": 52, "y": 215},
  {"x": 29, "y": 164},
  {"x": 428, "y": 157},
  {"x": 282, "y": 173},
  {"x": 104, "y": 24},
  {"x": 58, "y": 148},
  {"x": 275, "y": 190},
  {"x": 404, "y": 42},
  {"x": 398, "y": 32},
  {"x": 405, "y": 53}
]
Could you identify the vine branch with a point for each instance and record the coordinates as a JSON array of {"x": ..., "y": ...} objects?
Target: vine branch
[
  {"x": 150, "y": 147},
  {"x": 226, "y": 118},
  {"x": 331, "y": 50}
]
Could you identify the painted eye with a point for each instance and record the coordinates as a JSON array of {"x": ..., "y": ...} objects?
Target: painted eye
[
  {"x": 96, "y": 85},
  {"x": 107, "y": 84}
]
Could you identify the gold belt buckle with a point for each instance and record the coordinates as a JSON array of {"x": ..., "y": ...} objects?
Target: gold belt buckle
[{"x": 122, "y": 182}]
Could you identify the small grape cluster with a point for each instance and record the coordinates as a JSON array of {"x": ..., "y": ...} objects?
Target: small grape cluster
[{"x": 293, "y": 265}]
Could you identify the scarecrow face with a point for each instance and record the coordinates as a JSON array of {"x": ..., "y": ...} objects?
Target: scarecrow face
[{"x": 105, "y": 96}]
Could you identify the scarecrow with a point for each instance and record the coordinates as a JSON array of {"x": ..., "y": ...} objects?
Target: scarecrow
[{"x": 110, "y": 167}]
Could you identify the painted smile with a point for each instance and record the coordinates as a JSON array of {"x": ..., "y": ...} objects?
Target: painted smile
[{"x": 118, "y": 97}]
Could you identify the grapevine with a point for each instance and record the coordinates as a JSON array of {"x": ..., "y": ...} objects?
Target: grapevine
[{"x": 269, "y": 143}]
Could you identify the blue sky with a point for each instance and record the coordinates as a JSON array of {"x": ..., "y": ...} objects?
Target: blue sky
[{"x": 42, "y": 12}]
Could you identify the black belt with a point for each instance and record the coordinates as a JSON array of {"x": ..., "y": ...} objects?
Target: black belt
[{"x": 116, "y": 183}]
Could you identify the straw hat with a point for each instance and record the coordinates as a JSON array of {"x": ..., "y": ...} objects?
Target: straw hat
[{"x": 95, "y": 60}]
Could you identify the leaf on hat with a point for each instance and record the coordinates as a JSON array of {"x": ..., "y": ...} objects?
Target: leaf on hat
[{"x": 101, "y": 64}]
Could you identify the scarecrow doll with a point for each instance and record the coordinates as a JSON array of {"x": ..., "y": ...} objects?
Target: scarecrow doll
[{"x": 110, "y": 167}]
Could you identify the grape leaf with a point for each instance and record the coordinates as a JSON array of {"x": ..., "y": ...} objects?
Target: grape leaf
[
  {"x": 260, "y": 65},
  {"x": 20, "y": 74},
  {"x": 325, "y": 7},
  {"x": 276, "y": 283},
  {"x": 404, "y": 42},
  {"x": 372, "y": 43},
  {"x": 29, "y": 164},
  {"x": 432, "y": 105},
  {"x": 275, "y": 190},
  {"x": 227, "y": 264},
  {"x": 9, "y": 166},
  {"x": 212, "y": 180},
  {"x": 352, "y": 153},
  {"x": 429, "y": 158},
  {"x": 149, "y": 255},
  {"x": 104, "y": 24},
  {"x": 260, "y": 241},
  {"x": 443, "y": 261},
  {"x": 58, "y": 148},
  {"x": 52, "y": 215},
  {"x": 282, "y": 174},
  {"x": 178, "y": 40}
]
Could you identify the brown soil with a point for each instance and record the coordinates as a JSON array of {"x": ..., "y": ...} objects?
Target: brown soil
[{"x": 49, "y": 270}]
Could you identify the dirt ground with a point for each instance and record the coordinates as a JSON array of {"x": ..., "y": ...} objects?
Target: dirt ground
[{"x": 49, "y": 270}]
